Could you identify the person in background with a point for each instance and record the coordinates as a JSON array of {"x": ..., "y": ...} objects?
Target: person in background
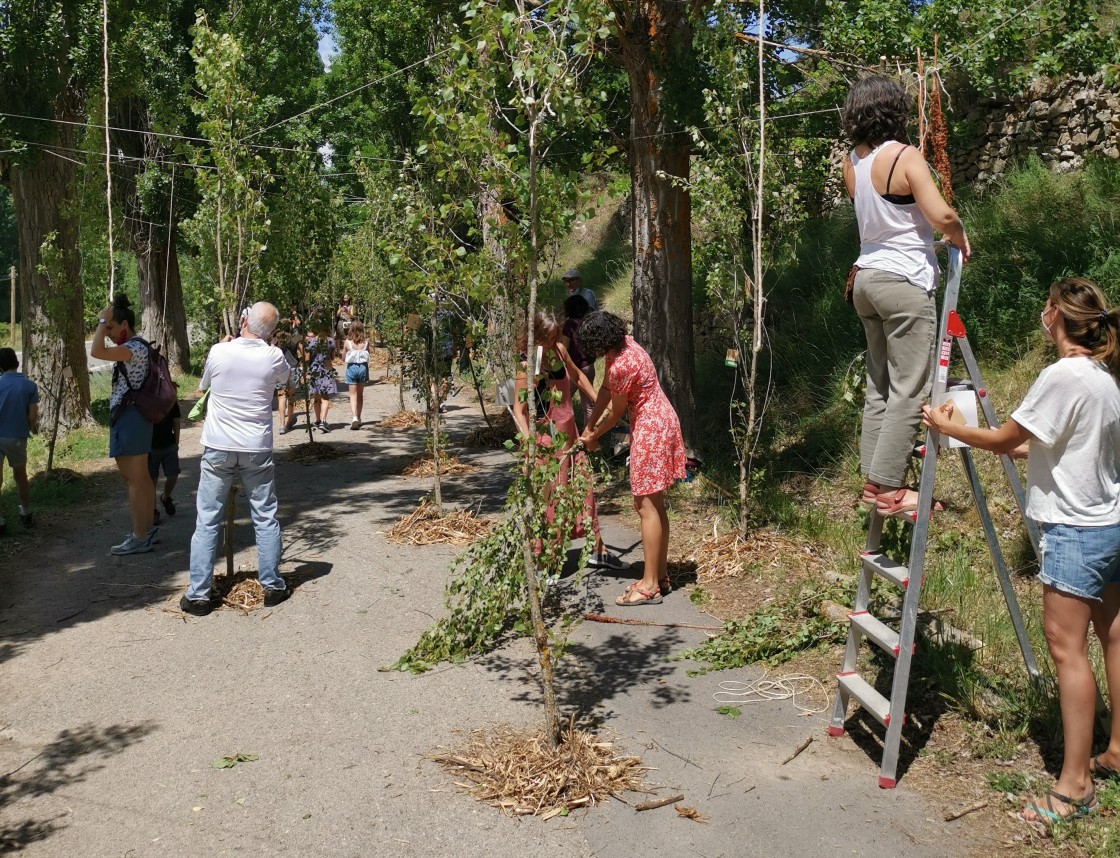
[
  {"x": 286, "y": 389},
  {"x": 19, "y": 417},
  {"x": 898, "y": 207},
  {"x": 165, "y": 455},
  {"x": 573, "y": 282},
  {"x": 657, "y": 453},
  {"x": 575, "y": 308},
  {"x": 1070, "y": 422},
  {"x": 241, "y": 375},
  {"x": 319, "y": 350},
  {"x": 355, "y": 354},
  {"x": 343, "y": 316},
  {"x": 130, "y": 432}
]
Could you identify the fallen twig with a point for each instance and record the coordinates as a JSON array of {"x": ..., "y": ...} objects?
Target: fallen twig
[
  {"x": 799, "y": 749},
  {"x": 660, "y": 802},
  {"x": 629, "y": 621},
  {"x": 972, "y": 808}
]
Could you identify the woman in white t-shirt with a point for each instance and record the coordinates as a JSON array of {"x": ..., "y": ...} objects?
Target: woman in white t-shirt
[
  {"x": 1071, "y": 419},
  {"x": 355, "y": 353}
]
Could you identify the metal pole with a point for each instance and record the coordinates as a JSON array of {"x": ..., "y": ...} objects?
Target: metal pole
[{"x": 12, "y": 307}]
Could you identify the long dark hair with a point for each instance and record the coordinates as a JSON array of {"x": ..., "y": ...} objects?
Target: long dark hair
[{"x": 877, "y": 109}]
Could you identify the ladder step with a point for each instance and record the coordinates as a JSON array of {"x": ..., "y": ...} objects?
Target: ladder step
[
  {"x": 868, "y": 697},
  {"x": 886, "y": 568},
  {"x": 877, "y": 630}
]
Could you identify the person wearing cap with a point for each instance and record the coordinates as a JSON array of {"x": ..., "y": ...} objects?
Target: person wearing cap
[{"x": 574, "y": 284}]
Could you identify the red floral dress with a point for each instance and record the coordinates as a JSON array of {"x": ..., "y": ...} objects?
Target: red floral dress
[{"x": 657, "y": 454}]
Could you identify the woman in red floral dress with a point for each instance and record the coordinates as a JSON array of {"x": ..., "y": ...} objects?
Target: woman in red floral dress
[
  {"x": 657, "y": 454},
  {"x": 555, "y": 417}
]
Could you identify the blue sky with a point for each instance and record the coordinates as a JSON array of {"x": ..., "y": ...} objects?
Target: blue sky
[{"x": 328, "y": 48}]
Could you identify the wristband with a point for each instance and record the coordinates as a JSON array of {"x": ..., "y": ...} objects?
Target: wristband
[{"x": 101, "y": 321}]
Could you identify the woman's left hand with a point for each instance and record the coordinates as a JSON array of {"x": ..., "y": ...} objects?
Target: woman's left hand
[{"x": 589, "y": 443}]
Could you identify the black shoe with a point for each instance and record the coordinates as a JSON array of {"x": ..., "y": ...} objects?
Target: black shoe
[
  {"x": 168, "y": 505},
  {"x": 273, "y": 596},
  {"x": 324, "y": 428},
  {"x": 198, "y": 607},
  {"x": 26, "y": 520}
]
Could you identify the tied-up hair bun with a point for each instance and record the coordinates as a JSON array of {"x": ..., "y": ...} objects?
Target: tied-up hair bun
[{"x": 1104, "y": 315}]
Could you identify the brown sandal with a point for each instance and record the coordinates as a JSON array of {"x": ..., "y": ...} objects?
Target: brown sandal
[
  {"x": 663, "y": 584},
  {"x": 649, "y": 597}
]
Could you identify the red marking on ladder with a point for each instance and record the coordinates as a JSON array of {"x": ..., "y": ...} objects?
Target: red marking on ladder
[
  {"x": 887, "y": 783},
  {"x": 955, "y": 327},
  {"x": 981, "y": 393},
  {"x": 849, "y": 673},
  {"x": 835, "y": 731}
]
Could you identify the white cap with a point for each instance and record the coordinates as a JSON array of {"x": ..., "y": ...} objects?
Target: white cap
[{"x": 571, "y": 274}]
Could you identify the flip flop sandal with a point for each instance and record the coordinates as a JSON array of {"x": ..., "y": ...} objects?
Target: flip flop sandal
[
  {"x": 649, "y": 597},
  {"x": 1048, "y": 815},
  {"x": 1102, "y": 770}
]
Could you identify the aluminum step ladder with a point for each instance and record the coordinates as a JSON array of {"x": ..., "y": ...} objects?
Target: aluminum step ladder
[{"x": 900, "y": 642}]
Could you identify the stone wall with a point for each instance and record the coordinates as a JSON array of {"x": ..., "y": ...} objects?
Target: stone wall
[{"x": 1061, "y": 122}]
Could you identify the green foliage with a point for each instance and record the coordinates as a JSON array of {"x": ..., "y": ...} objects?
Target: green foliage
[
  {"x": 488, "y": 600},
  {"x": 1033, "y": 228},
  {"x": 729, "y": 711},
  {"x": 773, "y": 633}
]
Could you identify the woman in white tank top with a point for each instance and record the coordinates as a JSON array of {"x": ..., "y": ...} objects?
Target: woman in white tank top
[{"x": 898, "y": 209}]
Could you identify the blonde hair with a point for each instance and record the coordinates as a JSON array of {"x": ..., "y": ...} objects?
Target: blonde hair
[
  {"x": 1087, "y": 319},
  {"x": 545, "y": 326},
  {"x": 357, "y": 333}
]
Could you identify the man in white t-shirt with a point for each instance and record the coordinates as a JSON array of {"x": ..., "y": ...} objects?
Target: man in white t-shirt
[
  {"x": 241, "y": 375},
  {"x": 573, "y": 283}
]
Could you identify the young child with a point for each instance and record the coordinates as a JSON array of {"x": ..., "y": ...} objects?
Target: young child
[
  {"x": 355, "y": 354},
  {"x": 1071, "y": 419},
  {"x": 165, "y": 454},
  {"x": 19, "y": 417}
]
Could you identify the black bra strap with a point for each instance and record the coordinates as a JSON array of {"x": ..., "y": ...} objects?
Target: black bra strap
[{"x": 894, "y": 164}]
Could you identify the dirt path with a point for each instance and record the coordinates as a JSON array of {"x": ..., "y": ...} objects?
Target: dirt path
[{"x": 113, "y": 705}]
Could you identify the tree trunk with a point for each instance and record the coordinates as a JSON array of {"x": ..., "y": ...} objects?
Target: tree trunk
[
  {"x": 51, "y": 299},
  {"x": 657, "y": 36},
  {"x": 164, "y": 320}
]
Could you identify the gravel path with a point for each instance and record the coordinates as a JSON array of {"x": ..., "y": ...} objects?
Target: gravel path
[{"x": 113, "y": 705}]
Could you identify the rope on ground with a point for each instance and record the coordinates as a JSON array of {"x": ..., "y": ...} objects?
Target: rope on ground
[{"x": 763, "y": 690}]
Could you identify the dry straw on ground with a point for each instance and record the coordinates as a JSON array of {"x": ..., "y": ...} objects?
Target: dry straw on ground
[
  {"x": 403, "y": 420},
  {"x": 315, "y": 451},
  {"x": 449, "y": 466},
  {"x": 727, "y": 556},
  {"x": 425, "y": 526},
  {"x": 518, "y": 772}
]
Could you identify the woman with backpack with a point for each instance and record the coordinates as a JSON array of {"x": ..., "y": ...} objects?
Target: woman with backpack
[{"x": 130, "y": 432}]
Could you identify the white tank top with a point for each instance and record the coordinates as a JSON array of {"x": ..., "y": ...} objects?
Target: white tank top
[{"x": 892, "y": 237}]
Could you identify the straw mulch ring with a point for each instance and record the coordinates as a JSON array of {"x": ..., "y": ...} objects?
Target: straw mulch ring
[
  {"x": 240, "y": 591},
  {"x": 403, "y": 420},
  {"x": 315, "y": 451},
  {"x": 729, "y": 556},
  {"x": 490, "y": 437},
  {"x": 517, "y": 772},
  {"x": 449, "y": 466},
  {"x": 425, "y": 526}
]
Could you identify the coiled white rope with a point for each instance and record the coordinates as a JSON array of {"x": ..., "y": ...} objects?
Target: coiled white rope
[{"x": 763, "y": 690}]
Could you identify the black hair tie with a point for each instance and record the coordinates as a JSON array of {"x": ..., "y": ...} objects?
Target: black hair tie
[{"x": 1104, "y": 315}]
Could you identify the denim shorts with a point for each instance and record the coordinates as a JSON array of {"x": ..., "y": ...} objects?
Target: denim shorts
[
  {"x": 130, "y": 434},
  {"x": 14, "y": 450},
  {"x": 1080, "y": 561},
  {"x": 357, "y": 373},
  {"x": 168, "y": 458}
]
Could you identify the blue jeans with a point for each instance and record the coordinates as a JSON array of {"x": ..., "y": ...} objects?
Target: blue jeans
[{"x": 258, "y": 475}]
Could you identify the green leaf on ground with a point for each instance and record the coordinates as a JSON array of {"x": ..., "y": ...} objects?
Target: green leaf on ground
[
  {"x": 729, "y": 711},
  {"x": 232, "y": 760}
]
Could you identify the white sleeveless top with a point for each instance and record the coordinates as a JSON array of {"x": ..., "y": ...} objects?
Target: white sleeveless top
[{"x": 893, "y": 238}]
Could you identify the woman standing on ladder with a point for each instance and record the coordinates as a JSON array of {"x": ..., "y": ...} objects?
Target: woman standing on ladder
[
  {"x": 898, "y": 207},
  {"x": 1071, "y": 419}
]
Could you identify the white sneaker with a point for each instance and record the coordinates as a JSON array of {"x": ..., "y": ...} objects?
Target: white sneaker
[
  {"x": 355, "y": 423},
  {"x": 132, "y": 545}
]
